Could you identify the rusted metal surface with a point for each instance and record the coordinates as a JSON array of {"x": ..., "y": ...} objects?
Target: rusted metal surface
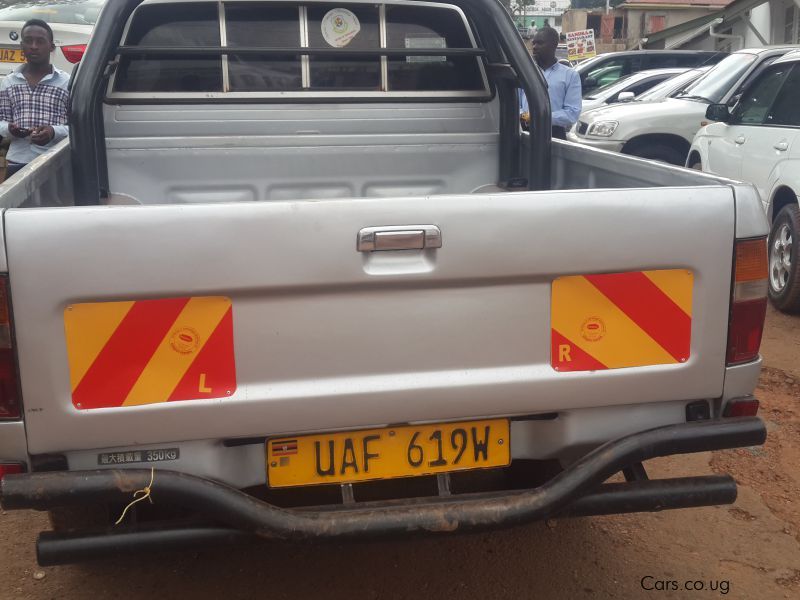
[
  {"x": 455, "y": 513},
  {"x": 64, "y": 548}
]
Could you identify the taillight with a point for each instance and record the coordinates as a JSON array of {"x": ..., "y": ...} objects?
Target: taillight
[
  {"x": 9, "y": 397},
  {"x": 741, "y": 407},
  {"x": 10, "y": 469},
  {"x": 749, "y": 301},
  {"x": 74, "y": 54}
]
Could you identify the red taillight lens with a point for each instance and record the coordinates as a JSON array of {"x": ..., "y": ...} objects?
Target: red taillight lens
[
  {"x": 744, "y": 407},
  {"x": 749, "y": 301},
  {"x": 74, "y": 54},
  {"x": 9, "y": 396},
  {"x": 10, "y": 469}
]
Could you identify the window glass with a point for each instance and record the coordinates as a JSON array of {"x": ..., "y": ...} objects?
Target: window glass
[
  {"x": 265, "y": 26},
  {"x": 669, "y": 86},
  {"x": 668, "y": 61},
  {"x": 422, "y": 28},
  {"x": 605, "y": 73},
  {"x": 65, "y": 12},
  {"x": 180, "y": 24},
  {"x": 346, "y": 26},
  {"x": 344, "y": 40},
  {"x": 643, "y": 86},
  {"x": 718, "y": 81},
  {"x": 756, "y": 101},
  {"x": 786, "y": 109}
]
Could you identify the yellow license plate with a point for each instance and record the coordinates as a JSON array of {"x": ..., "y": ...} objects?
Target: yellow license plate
[
  {"x": 406, "y": 451},
  {"x": 11, "y": 55}
]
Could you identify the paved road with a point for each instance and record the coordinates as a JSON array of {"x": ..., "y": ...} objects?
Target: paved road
[{"x": 749, "y": 550}]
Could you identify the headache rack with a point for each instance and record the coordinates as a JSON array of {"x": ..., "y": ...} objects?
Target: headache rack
[{"x": 504, "y": 62}]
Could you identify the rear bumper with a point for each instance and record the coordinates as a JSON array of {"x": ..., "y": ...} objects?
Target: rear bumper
[{"x": 579, "y": 490}]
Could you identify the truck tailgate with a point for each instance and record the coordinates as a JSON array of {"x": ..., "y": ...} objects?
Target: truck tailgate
[{"x": 321, "y": 336}]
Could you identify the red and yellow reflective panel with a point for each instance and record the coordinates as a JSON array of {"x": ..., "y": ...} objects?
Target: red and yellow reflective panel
[
  {"x": 149, "y": 351},
  {"x": 619, "y": 320}
]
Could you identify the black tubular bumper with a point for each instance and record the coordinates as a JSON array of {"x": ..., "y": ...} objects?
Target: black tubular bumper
[{"x": 578, "y": 490}]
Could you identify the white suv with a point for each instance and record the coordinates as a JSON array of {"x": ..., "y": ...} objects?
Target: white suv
[
  {"x": 664, "y": 130},
  {"x": 760, "y": 142}
]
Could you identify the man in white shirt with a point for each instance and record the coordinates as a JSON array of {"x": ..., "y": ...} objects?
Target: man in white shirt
[{"x": 34, "y": 100}]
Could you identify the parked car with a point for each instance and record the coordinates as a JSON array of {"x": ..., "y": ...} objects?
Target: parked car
[
  {"x": 628, "y": 87},
  {"x": 72, "y": 22},
  {"x": 759, "y": 142},
  {"x": 664, "y": 130},
  {"x": 298, "y": 300},
  {"x": 672, "y": 86},
  {"x": 607, "y": 68}
]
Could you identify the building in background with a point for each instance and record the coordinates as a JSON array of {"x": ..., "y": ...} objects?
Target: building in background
[
  {"x": 609, "y": 27},
  {"x": 740, "y": 24},
  {"x": 538, "y": 13}
]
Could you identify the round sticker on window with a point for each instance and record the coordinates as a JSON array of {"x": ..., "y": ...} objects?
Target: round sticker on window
[{"x": 339, "y": 26}]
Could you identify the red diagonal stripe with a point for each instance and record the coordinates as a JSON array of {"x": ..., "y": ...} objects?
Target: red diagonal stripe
[
  {"x": 573, "y": 358},
  {"x": 124, "y": 357},
  {"x": 650, "y": 308},
  {"x": 216, "y": 360}
]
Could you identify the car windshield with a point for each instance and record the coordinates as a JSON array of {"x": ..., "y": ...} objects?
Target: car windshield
[
  {"x": 74, "y": 12},
  {"x": 668, "y": 86},
  {"x": 610, "y": 88},
  {"x": 713, "y": 87}
]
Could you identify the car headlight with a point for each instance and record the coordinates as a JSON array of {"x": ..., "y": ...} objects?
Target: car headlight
[{"x": 603, "y": 128}]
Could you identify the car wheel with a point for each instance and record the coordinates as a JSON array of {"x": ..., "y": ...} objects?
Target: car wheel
[
  {"x": 661, "y": 152},
  {"x": 696, "y": 164},
  {"x": 784, "y": 266}
]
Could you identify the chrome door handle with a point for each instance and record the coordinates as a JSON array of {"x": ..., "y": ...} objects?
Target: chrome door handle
[
  {"x": 399, "y": 237},
  {"x": 782, "y": 146},
  {"x": 740, "y": 140}
]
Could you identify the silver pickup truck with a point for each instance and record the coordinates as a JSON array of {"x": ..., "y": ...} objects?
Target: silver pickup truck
[{"x": 298, "y": 273}]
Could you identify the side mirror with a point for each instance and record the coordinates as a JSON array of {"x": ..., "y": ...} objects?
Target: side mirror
[
  {"x": 626, "y": 97},
  {"x": 589, "y": 82},
  {"x": 718, "y": 112}
]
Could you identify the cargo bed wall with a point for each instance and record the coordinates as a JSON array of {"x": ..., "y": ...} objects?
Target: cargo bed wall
[
  {"x": 47, "y": 181},
  {"x": 577, "y": 167},
  {"x": 218, "y": 153}
]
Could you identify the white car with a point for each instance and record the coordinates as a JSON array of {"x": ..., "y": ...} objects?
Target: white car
[
  {"x": 72, "y": 22},
  {"x": 759, "y": 142},
  {"x": 672, "y": 86},
  {"x": 664, "y": 130},
  {"x": 627, "y": 88}
]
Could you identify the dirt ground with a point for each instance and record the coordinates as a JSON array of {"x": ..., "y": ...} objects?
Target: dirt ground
[{"x": 749, "y": 550}]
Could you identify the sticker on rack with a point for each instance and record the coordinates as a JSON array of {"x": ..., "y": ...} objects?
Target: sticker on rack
[
  {"x": 149, "y": 351},
  {"x": 424, "y": 43},
  {"x": 339, "y": 27},
  {"x": 138, "y": 456}
]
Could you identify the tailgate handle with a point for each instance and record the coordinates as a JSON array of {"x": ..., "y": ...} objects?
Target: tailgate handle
[{"x": 399, "y": 237}]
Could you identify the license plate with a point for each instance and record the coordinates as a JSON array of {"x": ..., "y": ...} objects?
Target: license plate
[
  {"x": 11, "y": 55},
  {"x": 387, "y": 453}
]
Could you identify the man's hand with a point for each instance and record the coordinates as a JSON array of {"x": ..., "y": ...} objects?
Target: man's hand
[
  {"x": 18, "y": 132},
  {"x": 42, "y": 135}
]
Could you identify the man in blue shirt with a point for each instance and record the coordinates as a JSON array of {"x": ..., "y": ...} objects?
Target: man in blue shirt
[
  {"x": 563, "y": 83},
  {"x": 34, "y": 100}
]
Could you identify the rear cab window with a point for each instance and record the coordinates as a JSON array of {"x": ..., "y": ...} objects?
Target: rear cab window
[{"x": 283, "y": 50}]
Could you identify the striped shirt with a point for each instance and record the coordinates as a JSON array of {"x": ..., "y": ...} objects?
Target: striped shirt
[{"x": 27, "y": 107}]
